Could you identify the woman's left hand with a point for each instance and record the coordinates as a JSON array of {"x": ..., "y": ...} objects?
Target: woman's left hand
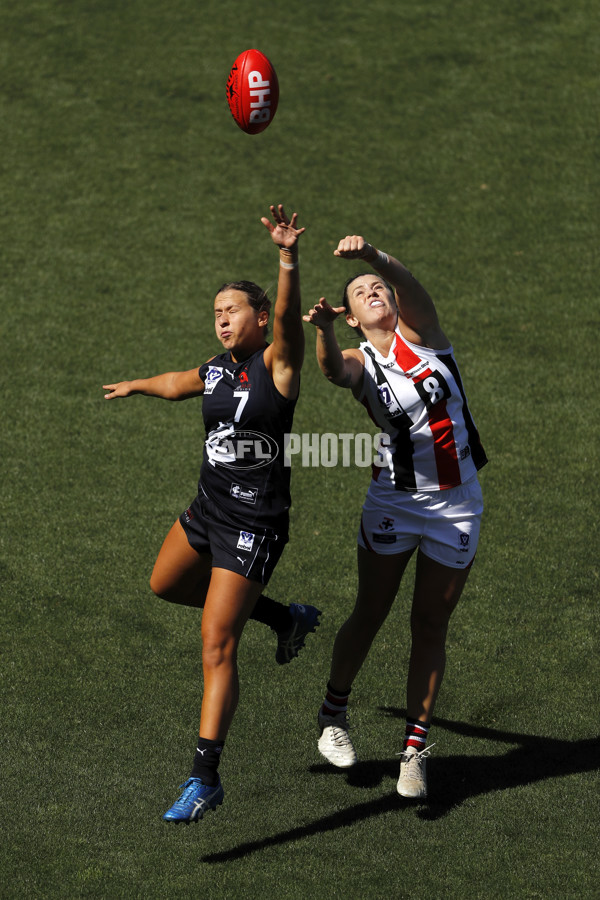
[
  {"x": 322, "y": 315},
  {"x": 284, "y": 232}
]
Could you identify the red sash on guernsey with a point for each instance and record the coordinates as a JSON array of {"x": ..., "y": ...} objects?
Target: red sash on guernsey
[{"x": 439, "y": 421}]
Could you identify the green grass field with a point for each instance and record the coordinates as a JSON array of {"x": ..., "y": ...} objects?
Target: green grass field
[{"x": 461, "y": 136}]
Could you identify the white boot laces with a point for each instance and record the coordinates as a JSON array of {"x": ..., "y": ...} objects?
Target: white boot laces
[
  {"x": 420, "y": 754},
  {"x": 340, "y": 732}
]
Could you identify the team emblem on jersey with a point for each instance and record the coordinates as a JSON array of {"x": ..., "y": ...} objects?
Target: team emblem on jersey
[
  {"x": 245, "y": 541},
  {"x": 213, "y": 376}
]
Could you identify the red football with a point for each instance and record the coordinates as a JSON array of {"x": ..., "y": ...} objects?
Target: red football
[{"x": 252, "y": 91}]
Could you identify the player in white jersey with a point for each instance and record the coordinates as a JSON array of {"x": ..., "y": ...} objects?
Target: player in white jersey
[{"x": 424, "y": 495}]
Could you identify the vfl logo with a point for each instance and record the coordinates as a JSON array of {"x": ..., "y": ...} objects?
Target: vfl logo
[
  {"x": 259, "y": 95},
  {"x": 464, "y": 540},
  {"x": 388, "y": 399},
  {"x": 385, "y": 396},
  {"x": 245, "y": 540},
  {"x": 213, "y": 376}
]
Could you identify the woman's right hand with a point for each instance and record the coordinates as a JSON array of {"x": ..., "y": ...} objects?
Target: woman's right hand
[
  {"x": 284, "y": 232},
  {"x": 322, "y": 315},
  {"x": 354, "y": 246}
]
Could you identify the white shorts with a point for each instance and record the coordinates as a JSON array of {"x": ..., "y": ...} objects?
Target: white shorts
[{"x": 444, "y": 524}]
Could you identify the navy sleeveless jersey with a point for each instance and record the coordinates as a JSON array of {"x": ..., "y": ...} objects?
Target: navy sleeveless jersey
[{"x": 246, "y": 419}]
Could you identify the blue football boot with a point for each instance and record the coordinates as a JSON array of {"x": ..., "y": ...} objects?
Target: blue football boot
[
  {"x": 196, "y": 799},
  {"x": 290, "y": 642}
]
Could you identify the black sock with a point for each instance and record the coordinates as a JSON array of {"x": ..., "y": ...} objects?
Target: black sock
[
  {"x": 276, "y": 615},
  {"x": 206, "y": 761}
]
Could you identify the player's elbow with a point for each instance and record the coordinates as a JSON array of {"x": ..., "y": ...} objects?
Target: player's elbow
[{"x": 341, "y": 379}]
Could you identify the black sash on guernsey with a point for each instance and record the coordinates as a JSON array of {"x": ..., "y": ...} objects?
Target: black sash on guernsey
[
  {"x": 477, "y": 451},
  {"x": 246, "y": 420}
]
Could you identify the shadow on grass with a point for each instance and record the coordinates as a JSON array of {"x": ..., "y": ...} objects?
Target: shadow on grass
[{"x": 452, "y": 779}]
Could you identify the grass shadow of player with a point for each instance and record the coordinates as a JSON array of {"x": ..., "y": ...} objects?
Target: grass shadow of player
[
  {"x": 531, "y": 759},
  {"x": 452, "y": 779}
]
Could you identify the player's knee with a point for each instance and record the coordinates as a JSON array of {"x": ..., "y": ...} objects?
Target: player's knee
[
  {"x": 217, "y": 649},
  {"x": 369, "y": 616},
  {"x": 428, "y": 627},
  {"x": 158, "y": 586}
]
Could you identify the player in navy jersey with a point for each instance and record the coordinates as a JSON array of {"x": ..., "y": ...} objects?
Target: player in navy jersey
[
  {"x": 222, "y": 550},
  {"x": 424, "y": 494}
]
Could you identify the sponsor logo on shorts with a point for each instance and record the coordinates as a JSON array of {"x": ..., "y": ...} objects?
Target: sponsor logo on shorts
[
  {"x": 383, "y": 538},
  {"x": 245, "y": 540},
  {"x": 188, "y": 515},
  {"x": 464, "y": 541},
  {"x": 213, "y": 376},
  {"x": 246, "y": 495},
  {"x": 465, "y": 452}
]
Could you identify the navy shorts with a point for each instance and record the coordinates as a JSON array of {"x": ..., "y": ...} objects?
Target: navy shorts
[{"x": 253, "y": 554}]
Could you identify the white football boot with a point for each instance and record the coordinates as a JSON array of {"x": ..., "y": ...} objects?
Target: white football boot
[
  {"x": 335, "y": 744},
  {"x": 412, "y": 782}
]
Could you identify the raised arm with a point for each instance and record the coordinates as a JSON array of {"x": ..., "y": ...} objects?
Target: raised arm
[
  {"x": 418, "y": 320},
  {"x": 285, "y": 355},
  {"x": 342, "y": 367},
  {"x": 169, "y": 386}
]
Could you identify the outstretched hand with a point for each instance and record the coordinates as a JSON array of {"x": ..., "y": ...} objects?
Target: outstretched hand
[
  {"x": 354, "y": 246},
  {"x": 120, "y": 389},
  {"x": 284, "y": 232},
  {"x": 322, "y": 314}
]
